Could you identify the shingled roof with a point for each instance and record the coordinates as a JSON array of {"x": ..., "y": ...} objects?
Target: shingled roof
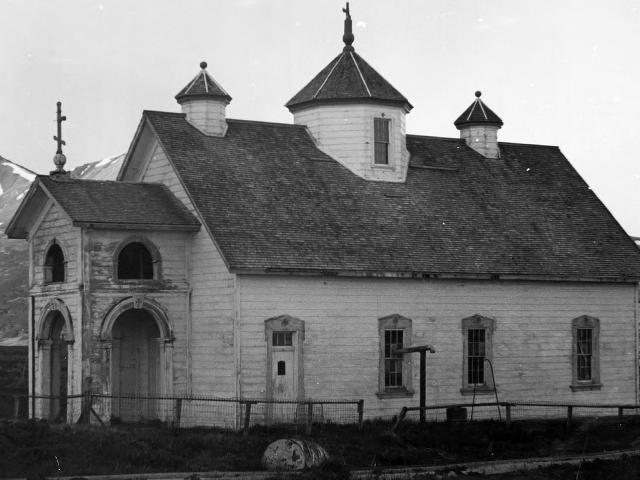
[
  {"x": 347, "y": 77},
  {"x": 109, "y": 203},
  {"x": 203, "y": 85},
  {"x": 477, "y": 114},
  {"x": 275, "y": 203}
]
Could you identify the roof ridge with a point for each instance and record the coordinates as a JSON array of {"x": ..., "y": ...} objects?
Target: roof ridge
[
  {"x": 360, "y": 73},
  {"x": 328, "y": 75},
  {"x": 479, "y": 102},
  {"x": 177, "y": 114},
  {"x": 265, "y": 122},
  {"x": 215, "y": 82},
  {"x": 193, "y": 82},
  {"x": 530, "y": 144},
  {"x": 453, "y": 139}
]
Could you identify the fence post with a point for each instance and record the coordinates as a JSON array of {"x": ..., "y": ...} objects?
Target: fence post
[
  {"x": 403, "y": 412},
  {"x": 16, "y": 407},
  {"x": 508, "y": 414},
  {"x": 178, "y": 412},
  {"x": 620, "y": 415},
  {"x": 309, "y": 418},
  {"x": 569, "y": 415},
  {"x": 360, "y": 413},
  {"x": 247, "y": 418}
]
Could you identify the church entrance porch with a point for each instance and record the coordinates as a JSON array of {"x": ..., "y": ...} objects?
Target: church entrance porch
[{"x": 137, "y": 362}]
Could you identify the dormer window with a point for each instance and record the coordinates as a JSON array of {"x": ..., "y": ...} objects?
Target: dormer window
[
  {"x": 135, "y": 262},
  {"x": 381, "y": 140},
  {"x": 54, "y": 265}
]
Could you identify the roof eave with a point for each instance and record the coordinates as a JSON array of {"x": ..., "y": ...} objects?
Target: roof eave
[
  {"x": 135, "y": 226},
  {"x": 295, "y": 107},
  {"x": 11, "y": 229},
  {"x": 431, "y": 275}
]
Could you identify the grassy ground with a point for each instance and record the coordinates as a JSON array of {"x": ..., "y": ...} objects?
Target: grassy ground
[
  {"x": 36, "y": 449},
  {"x": 623, "y": 469}
]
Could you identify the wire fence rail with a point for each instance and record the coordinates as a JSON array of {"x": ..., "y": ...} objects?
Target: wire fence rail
[
  {"x": 182, "y": 411},
  {"x": 509, "y": 412}
]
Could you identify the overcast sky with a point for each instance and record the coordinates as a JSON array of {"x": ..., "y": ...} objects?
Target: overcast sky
[{"x": 557, "y": 72}]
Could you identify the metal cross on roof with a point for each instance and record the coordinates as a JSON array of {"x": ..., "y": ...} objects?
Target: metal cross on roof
[
  {"x": 60, "y": 118},
  {"x": 59, "y": 158}
]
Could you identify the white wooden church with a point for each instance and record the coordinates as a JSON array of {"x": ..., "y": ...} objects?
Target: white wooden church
[{"x": 245, "y": 259}]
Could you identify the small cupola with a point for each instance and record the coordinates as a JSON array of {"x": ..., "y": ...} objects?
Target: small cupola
[
  {"x": 479, "y": 127},
  {"x": 204, "y": 101},
  {"x": 355, "y": 115}
]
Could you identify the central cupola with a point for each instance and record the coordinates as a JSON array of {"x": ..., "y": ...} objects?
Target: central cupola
[
  {"x": 355, "y": 115},
  {"x": 204, "y": 102}
]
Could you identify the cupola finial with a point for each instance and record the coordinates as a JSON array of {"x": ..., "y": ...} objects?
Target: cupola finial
[
  {"x": 348, "y": 37},
  {"x": 59, "y": 159}
]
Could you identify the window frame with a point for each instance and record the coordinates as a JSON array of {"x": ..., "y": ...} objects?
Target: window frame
[
  {"x": 477, "y": 322},
  {"x": 395, "y": 322},
  {"x": 591, "y": 323},
  {"x": 156, "y": 262},
  {"x": 49, "y": 268},
  {"x": 376, "y": 141}
]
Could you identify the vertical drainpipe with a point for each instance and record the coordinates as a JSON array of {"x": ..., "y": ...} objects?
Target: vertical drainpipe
[
  {"x": 33, "y": 356},
  {"x": 636, "y": 314}
]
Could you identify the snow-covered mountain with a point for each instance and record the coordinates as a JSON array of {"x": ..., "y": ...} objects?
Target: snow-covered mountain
[{"x": 15, "y": 181}]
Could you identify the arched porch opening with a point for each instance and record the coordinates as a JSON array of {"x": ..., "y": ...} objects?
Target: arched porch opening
[
  {"x": 138, "y": 344},
  {"x": 55, "y": 342}
]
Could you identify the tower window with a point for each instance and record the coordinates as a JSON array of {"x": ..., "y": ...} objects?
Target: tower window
[
  {"x": 381, "y": 140},
  {"x": 135, "y": 262},
  {"x": 54, "y": 265}
]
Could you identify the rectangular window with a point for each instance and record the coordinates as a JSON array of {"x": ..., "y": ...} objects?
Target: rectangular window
[
  {"x": 586, "y": 361},
  {"x": 394, "y": 369},
  {"x": 477, "y": 335},
  {"x": 282, "y": 339},
  {"x": 381, "y": 140},
  {"x": 584, "y": 351},
  {"x": 393, "y": 339},
  {"x": 475, "y": 358}
]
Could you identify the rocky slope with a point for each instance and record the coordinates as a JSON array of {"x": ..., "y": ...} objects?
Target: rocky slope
[{"x": 15, "y": 181}]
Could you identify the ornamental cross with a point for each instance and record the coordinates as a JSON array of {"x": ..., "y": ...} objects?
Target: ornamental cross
[
  {"x": 60, "y": 118},
  {"x": 346, "y": 10}
]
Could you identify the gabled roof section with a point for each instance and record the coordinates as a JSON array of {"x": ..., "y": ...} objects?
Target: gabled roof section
[
  {"x": 107, "y": 204},
  {"x": 478, "y": 114},
  {"x": 348, "y": 77},
  {"x": 202, "y": 86},
  {"x": 275, "y": 203}
]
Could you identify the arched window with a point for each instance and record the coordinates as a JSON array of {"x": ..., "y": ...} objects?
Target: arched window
[
  {"x": 135, "y": 262},
  {"x": 54, "y": 264}
]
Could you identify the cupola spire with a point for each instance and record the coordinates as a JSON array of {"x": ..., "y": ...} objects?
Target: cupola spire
[
  {"x": 203, "y": 101},
  {"x": 348, "y": 37},
  {"x": 59, "y": 159},
  {"x": 479, "y": 127}
]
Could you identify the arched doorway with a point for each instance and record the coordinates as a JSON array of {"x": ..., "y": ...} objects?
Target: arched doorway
[
  {"x": 135, "y": 365},
  {"x": 59, "y": 375},
  {"x": 138, "y": 342},
  {"x": 55, "y": 340}
]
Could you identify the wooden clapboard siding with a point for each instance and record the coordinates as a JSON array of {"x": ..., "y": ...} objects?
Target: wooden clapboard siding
[
  {"x": 345, "y": 132},
  {"x": 531, "y": 342},
  {"x": 55, "y": 224},
  {"x": 212, "y": 301}
]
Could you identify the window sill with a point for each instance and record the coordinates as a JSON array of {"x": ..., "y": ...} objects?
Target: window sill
[
  {"x": 483, "y": 390},
  {"x": 383, "y": 166},
  {"x": 400, "y": 393},
  {"x": 585, "y": 387}
]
